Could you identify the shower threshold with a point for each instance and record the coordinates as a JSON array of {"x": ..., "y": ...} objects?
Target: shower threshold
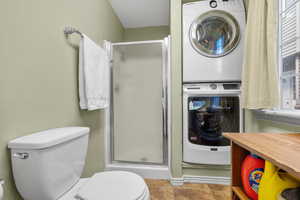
[{"x": 144, "y": 170}]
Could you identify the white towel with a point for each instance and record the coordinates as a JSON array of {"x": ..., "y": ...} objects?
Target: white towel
[{"x": 93, "y": 75}]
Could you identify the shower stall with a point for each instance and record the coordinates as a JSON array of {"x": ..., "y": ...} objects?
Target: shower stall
[{"x": 137, "y": 136}]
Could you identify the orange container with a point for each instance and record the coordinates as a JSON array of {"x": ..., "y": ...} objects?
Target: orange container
[{"x": 252, "y": 172}]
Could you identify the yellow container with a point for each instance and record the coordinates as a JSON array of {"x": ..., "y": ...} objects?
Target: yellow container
[{"x": 273, "y": 182}]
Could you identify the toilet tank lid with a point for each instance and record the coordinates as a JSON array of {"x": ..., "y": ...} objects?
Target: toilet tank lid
[{"x": 48, "y": 138}]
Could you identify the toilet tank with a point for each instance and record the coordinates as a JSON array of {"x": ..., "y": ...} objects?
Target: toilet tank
[{"x": 47, "y": 164}]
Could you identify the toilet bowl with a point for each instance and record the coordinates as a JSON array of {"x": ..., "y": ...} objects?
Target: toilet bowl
[
  {"x": 111, "y": 185},
  {"x": 48, "y": 165},
  {"x": 105, "y": 184}
]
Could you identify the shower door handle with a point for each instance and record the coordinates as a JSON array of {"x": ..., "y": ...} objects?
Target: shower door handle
[{"x": 164, "y": 113}]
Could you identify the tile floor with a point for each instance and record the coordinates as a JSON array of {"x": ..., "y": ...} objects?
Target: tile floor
[{"x": 163, "y": 190}]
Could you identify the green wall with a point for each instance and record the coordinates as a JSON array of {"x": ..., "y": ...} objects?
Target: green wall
[
  {"x": 254, "y": 125},
  {"x": 38, "y": 79},
  {"x": 176, "y": 88},
  {"x": 146, "y": 33},
  {"x": 199, "y": 170}
]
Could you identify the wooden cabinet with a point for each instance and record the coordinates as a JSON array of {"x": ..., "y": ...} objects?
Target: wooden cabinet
[{"x": 283, "y": 150}]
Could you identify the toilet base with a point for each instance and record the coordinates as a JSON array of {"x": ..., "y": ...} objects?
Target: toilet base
[{"x": 70, "y": 195}]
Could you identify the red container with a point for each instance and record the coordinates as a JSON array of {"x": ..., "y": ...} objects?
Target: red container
[{"x": 252, "y": 171}]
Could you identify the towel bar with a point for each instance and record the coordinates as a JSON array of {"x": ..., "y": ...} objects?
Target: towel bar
[{"x": 70, "y": 30}]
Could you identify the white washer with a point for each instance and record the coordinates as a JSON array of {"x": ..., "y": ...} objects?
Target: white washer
[
  {"x": 210, "y": 109},
  {"x": 213, "y": 37}
]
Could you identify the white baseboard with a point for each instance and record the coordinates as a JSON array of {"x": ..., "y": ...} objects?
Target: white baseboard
[
  {"x": 201, "y": 179},
  {"x": 176, "y": 181}
]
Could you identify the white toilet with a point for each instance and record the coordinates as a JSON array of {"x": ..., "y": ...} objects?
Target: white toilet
[{"x": 48, "y": 165}]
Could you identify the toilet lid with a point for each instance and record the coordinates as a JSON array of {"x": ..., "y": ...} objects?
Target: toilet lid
[{"x": 113, "y": 185}]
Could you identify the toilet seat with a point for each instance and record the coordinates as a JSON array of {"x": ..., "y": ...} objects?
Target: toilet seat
[{"x": 114, "y": 185}]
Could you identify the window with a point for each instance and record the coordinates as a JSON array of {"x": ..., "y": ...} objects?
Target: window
[{"x": 289, "y": 54}]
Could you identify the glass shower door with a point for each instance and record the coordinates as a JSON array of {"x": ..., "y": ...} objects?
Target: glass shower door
[{"x": 137, "y": 103}]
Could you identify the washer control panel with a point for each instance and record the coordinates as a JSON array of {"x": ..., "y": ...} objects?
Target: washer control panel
[
  {"x": 212, "y": 87},
  {"x": 213, "y": 4}
]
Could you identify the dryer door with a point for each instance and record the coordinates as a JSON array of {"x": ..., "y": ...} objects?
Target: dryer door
[{"x": 214, "y": 33}]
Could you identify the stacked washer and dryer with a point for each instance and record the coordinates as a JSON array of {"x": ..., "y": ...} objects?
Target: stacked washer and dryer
[{"x": 213, "y": 37}]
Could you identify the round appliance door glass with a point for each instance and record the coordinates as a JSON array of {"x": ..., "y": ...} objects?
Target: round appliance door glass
[{"x": 215, "y": 33}]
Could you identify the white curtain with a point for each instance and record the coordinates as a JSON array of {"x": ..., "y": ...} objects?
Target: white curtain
[{"x": 260, "y": 68}]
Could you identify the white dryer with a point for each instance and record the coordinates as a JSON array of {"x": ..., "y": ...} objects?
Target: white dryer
[{"x": 213, "y": 37}]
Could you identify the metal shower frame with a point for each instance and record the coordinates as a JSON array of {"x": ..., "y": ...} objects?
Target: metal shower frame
[{"x": 165, "y": 104}]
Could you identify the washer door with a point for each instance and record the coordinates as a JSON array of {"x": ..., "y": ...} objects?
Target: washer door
[{"x": 215, "y": 33}]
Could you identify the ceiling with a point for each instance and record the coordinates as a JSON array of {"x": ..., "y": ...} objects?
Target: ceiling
[{"x": 142, "y": 13}]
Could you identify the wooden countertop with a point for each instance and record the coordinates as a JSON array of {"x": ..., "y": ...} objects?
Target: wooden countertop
[{"x": 283, "y": 150}]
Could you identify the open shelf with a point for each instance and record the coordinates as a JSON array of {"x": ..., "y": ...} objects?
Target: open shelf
[
  {"x": 280, "y": 149},
  {"x": 238, "y": 191}
]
